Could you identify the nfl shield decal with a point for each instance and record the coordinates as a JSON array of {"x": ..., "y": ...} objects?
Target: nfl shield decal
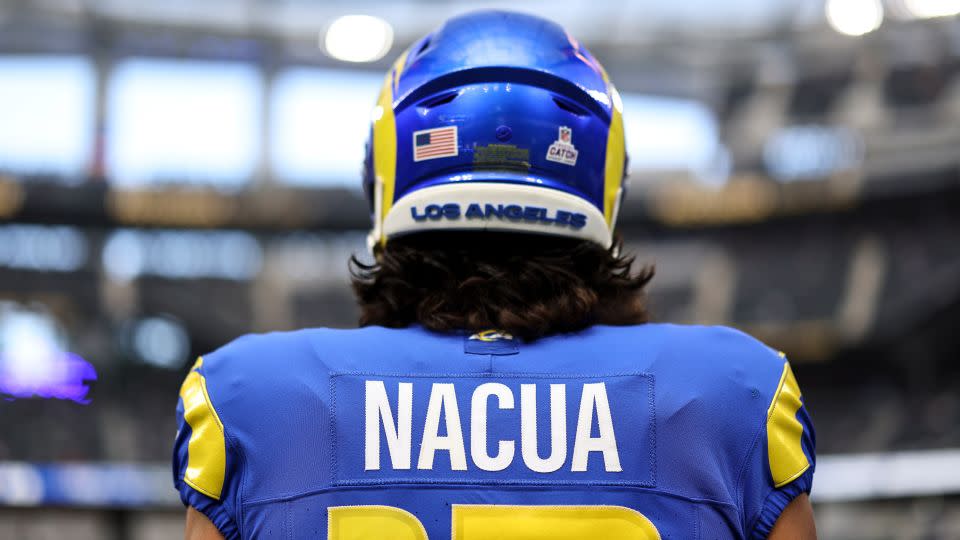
[{"x": 562, "y": 149}]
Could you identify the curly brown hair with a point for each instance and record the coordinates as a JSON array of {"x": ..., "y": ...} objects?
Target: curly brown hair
[{"x": 528, "y": 286}]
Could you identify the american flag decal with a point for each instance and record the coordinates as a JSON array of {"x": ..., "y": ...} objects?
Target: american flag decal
[{"x": 435, "y": 143}]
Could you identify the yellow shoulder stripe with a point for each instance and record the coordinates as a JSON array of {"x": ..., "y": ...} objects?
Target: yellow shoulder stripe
[
  {"x": 207, "y": 449},
  {"x": 785, "y": 432}
]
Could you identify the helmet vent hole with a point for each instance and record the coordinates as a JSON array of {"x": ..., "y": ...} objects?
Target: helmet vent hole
[
  {"x": 441, "y": 99},
  {"x": 426, "y": 43},
  {"x": 570, "y": 107}
]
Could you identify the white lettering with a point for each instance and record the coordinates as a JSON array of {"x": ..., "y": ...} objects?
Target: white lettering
[
  {"x": 442, "y": 406},
  {"x": 478, "y": 428},
  {"x": 594, "y": 398},
  {"x": 443, "y": 400},
  {"x": 558, "y": 428},
  {"x": 377, "y": 413}
]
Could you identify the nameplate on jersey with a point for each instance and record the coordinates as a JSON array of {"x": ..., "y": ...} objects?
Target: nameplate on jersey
[{"x": 493, "y": 429}]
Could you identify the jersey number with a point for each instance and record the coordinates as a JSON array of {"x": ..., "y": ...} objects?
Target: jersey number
[{"x": 488, "y": 521}]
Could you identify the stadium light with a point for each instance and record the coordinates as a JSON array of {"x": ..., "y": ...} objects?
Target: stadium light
[
  {"x": 927, "y": 9},
  {"x": 358, "y": 38},
  {"x": 855, "y": 17},
  {"x": 161, "y": 341}
]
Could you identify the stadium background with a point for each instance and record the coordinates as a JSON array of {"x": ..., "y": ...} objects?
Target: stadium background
[{"x": 174, "y": 174}]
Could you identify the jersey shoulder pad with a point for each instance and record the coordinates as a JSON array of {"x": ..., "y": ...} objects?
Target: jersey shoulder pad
[
  {"x": 787, "y": 426},
  {"x": 264, "y": 359},
  {"x": 756, "y": 384},
  {"x": 725, "y": 356},
  {"x": 221, "y": 395}
]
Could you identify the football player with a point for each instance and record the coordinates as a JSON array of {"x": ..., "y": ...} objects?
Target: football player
[{"x": 505, "y": 383}]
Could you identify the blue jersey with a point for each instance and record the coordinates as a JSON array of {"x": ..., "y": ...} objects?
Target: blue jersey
[{"x": 643, "y": 432}]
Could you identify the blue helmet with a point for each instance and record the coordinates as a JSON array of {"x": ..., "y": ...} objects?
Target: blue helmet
[{"x": 496, "y": 121}]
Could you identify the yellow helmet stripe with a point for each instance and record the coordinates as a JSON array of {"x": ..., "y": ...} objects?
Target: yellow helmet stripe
[
  {"x": 385, "y": 141},
  {"x": 616, "y": 153},
  {"x": 613, "y": 168}
]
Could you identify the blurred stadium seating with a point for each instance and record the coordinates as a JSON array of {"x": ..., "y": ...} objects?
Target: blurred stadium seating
[{"x": 175, "y": 174}]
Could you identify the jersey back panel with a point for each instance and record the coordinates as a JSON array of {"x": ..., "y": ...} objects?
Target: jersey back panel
[{"x": 654, "y": 431}]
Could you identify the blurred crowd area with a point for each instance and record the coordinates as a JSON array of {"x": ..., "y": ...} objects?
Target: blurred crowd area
[{"x": 174, "y": 175}]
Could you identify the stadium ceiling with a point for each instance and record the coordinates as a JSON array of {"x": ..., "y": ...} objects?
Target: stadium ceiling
[
  {"x": 694, "y": 48},
  {"x": 626, "y": 22}
]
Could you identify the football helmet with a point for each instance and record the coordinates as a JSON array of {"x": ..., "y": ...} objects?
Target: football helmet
[{"x": 496, "y": 121}]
